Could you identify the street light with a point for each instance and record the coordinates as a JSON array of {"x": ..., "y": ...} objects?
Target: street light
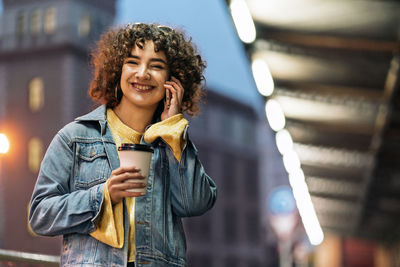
[
  {"x": 4, "y": 144},
  {"x": 4, "y": 147}
]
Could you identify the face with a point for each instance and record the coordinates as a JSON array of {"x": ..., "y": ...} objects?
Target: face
[{"x": 144, "y": 74}]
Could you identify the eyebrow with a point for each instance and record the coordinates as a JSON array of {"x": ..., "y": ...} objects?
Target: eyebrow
[{"x": 152, "y": 59}]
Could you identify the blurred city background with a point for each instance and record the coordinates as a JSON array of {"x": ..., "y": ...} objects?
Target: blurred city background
[{"x": 300, "y": 128}]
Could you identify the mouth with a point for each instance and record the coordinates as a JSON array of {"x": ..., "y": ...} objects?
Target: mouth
[{"x": 142, "y": 87}]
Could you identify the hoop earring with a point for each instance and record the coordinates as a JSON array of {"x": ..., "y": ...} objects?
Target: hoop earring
[{"x": 116, "y": 92}]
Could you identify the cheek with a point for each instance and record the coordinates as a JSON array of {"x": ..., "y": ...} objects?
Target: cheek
[
  {"x": 124, "y": 71},
  {"x": 163, "y": 79},
  {"x": 164, "y": 76}
]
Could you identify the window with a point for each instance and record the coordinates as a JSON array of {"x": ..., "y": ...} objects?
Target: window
[
  {"x": 21, "y": 24},
  {"x": 253, "y": 263},
  {"x": 84, "y": 25},
  {"x": 36, "y": 94},
  {"x": 251, "y": 184},
  {"x": 50, "y": 20},
  {"x": 199, "y": 260},
  {"x": 248, "y": 131},
  {"x": 199, "y": 228},
  {"x": 231, "y": 261},
  {"x": 35, "y": 22},
  {"x": 225, "y": 123},
  {"x": 230, "y": 225},
  {"x": 35, "y": 154},
  {"x": 229, "y": 175},
  {"x": 253, "y": 226}
]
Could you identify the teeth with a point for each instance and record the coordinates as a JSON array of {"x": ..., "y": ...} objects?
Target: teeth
[{"x": 142, "y": 87}]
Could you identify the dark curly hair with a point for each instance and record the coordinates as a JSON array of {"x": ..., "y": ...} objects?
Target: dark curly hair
[{"x": 184, "y": 62}]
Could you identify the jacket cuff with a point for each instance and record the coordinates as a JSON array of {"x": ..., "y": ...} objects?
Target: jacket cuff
[
  {"x": 97, "y": 198},
  {"x": 172, "y": 131},
  {"x": 109, "y": 228}
]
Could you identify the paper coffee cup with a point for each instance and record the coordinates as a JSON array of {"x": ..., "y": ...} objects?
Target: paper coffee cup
[{"x": 139, "y": 156}]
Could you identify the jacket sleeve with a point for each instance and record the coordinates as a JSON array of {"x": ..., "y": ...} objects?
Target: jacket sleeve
[
  {"x": 54, "y": 209},
  {"x": 193, "y": 192},
  {"x": 110, "y": 226}
]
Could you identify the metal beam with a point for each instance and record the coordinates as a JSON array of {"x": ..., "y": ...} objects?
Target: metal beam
[
  {"x": 19, "y": 256},
  {"x": 367, "y": 94},
  {"x": 382, "y": 119},
  {"x": 328, "y": 42},
  {"x": 306, "y": 134}
]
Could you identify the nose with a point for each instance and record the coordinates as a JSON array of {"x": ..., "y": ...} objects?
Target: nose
[{"x": 142, "y": 72}]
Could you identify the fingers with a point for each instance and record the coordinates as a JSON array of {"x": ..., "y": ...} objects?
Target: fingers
[
  {"x": 173, "y": 100},
  {"x": 117, "y": 195},
  {"x": 123, "y": 173},
  {"x": 125, "y": 169},
  {"x": 180, "y": 88},
  {"x": 127, "y": 176},
  {"x": 167, "y": 103},
  {"x": 128, "y": 185},
  {"x": 123, "y": 179},
  {"x": 176, "y": 91},
  {"x": 177, "y": 85}
]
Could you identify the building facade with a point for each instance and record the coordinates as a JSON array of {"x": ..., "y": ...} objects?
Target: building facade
[
  {"x": 231, "y": 139},
  {"x": 44, "y": 77}
]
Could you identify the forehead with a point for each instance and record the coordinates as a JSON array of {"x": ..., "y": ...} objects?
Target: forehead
[{"x": 148, "y": 49}]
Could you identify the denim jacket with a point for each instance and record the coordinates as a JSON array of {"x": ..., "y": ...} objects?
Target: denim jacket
[{"x": 69, "y": 191}]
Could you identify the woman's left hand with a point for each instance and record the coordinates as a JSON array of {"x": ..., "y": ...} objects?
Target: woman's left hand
[{"x": 173, "y": 98}]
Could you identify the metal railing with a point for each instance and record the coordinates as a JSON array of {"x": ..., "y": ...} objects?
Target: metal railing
[{"x": 19, "y": 256}]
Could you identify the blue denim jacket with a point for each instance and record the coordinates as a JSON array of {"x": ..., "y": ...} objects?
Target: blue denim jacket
[{"x": 68, "y": 196}]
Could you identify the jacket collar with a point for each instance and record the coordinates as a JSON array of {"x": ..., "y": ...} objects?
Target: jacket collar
[{"x": 99, "y": 114}]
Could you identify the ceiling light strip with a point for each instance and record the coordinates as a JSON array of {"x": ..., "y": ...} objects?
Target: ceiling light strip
[
  {"x": 243, "y": 21},
  {"x": 299, "y": 187}
]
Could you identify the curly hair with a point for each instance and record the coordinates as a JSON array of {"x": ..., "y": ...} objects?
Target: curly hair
[{"x": 184, "y": 62}]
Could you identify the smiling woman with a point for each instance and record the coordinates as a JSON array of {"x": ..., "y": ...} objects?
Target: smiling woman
[
  {"x": 143, "y": 78},
  {"x": 146, "y": 77},
  {"x": 182, "y": 59}
]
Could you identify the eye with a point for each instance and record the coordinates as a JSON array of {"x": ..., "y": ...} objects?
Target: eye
[
  {"x": 160, "y": 67},
  {"x": 131, "y": 62}
]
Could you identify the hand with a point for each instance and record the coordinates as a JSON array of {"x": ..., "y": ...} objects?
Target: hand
[
  {"x": 173, "y": 98},
  {"x": 118, "y": 185}
]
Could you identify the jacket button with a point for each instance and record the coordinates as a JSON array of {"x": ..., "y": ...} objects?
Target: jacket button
[{"x": 92, "y": 153}]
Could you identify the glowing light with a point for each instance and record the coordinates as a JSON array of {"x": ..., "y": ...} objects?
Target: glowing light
[
  {"x": 291, "y": 161},
  {"x": 305, "y": 207},
  {"x": 262, "y": 77},
  {"x": 4, "y": 144},
  {"x": 275, "y": 115},
  {"x": 243, "y": 21},
  {"x": 284, "y": 141}
]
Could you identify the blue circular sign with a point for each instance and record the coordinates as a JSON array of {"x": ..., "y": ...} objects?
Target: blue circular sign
[{"x": 281, "y": 200}]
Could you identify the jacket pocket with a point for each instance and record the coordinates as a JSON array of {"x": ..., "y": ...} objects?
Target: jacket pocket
[{"x": 91, "y": 166}]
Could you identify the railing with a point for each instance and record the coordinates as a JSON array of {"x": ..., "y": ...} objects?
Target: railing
[{"x": 19, "y": 256}]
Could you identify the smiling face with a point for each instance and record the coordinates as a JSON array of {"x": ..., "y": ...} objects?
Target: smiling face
[{"x": 143, "y": 76}]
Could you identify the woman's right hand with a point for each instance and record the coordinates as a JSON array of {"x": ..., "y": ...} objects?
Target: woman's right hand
[{"x": 117, "y": 184}]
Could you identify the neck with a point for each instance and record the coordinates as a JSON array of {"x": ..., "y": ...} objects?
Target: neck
[{"x": 136, "y": 118}]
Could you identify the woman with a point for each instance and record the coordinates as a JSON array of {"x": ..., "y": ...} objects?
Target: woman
[{"x": 145, "y": 77}]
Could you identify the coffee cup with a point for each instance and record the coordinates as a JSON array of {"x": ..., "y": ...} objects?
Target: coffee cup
[{"x": 138, "y": 155}]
